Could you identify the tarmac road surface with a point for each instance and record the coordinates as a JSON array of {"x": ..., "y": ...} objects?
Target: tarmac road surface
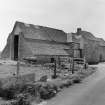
[{"x": 90, "y": 92}]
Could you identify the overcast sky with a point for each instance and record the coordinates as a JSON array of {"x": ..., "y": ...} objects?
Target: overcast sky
[{"x": 62, "y": 14}]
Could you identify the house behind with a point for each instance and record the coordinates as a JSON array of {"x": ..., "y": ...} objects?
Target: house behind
[{"x": 92, "y": 48}]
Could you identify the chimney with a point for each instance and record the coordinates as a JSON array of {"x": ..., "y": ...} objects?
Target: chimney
[{"x": 79, "y": 31}]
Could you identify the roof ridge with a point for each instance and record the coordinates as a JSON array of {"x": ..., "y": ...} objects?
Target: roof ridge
[
  {"x": 20, "y": 22},
  {"x": 42, "y": 32}
]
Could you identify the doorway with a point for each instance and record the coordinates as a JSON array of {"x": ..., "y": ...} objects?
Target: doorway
[
  {"x": 81, "y": 53},
  {"x": 52, "y": 60},
  {"x": 100, "y": 58},
  {"x": 16, "y": 45}
]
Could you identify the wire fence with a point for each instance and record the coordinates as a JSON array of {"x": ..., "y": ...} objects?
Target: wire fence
[{"x": 27, "y": 71}]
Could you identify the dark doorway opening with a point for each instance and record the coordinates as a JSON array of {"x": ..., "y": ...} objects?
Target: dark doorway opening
[
  {"x": 81, "y": 53},
  {"x": 16, "y": 45},
  {"x": 52, "y": 60},
  {"x": 100, "y": 58}
]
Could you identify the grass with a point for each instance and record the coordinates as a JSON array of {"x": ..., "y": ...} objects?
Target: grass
[{"x": 42, "y": 90}]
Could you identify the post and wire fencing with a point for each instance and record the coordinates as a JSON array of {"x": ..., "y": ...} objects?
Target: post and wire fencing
[{"x": 60, "y": 65}]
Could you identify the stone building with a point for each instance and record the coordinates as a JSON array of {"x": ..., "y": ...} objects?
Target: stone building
[
  {"x": 91, "y": 47},
  {"x": 43, "y": 43}
]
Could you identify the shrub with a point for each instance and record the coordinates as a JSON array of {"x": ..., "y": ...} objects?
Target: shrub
[
  {"x": 65, "y": 83},
  {"x": 43, "y": 93},
  {"x": 53, "y": 86},
  {"x": 43, "y": 78},
  {"x": 76, "y": 79},
  {"x": 28, "y": 89},
  {"x": 21, "y": 100},
  {"x": 69, "y": 82},
  {"x": 8, "y": 93},
  {"x": 47, "y": 91}
]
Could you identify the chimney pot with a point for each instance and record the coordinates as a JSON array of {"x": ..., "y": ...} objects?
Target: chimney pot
[{"x": 79, "y": 31}]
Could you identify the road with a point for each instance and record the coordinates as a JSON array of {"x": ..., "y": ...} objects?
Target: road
[{"x": 90, "y": 92}]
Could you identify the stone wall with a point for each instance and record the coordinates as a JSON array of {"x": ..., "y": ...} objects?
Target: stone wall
[
  {"x": 91, "y": 51},
  {"x": 102, "y": 53}
]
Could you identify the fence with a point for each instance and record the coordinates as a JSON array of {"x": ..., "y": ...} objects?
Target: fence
[{"x": 10, "y": 71}]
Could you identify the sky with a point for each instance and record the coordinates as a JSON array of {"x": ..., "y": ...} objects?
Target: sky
[{"x": 66, "y": 15}]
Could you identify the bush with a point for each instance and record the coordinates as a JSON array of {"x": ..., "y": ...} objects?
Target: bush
[
  {"x": 21, "y": 100},
  {"x": 44, "y": 78},
  {"x": 47, "y": 91},
  {"x": 65, "y": 83},
  {"x": 81, "y": 76},
  {"x": 53, "y": 86},
  {"x": 28, "y": 89},
  {"x": 76, "y": 79},
  {"x": 43, "y": 93},
  {"x": 8, "y": 93},
  {"x": 69, "y": 82}
]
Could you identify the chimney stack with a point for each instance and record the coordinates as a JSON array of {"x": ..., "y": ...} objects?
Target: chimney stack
[{"x": 79, "y": 31}]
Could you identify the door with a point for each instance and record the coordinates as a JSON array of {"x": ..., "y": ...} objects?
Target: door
[{"x": 16, "y": 45}]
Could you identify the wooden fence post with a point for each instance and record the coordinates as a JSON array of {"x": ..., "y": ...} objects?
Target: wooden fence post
[
  {"x": 73, "y": 60},
  {"x": 54, "y": 75}
]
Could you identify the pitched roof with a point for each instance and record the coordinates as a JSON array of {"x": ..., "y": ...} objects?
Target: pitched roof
[
  {"x": 41, "y": 32},
  {"x": 101, "y": 41},
  {"x": 88, "y": 35}
]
